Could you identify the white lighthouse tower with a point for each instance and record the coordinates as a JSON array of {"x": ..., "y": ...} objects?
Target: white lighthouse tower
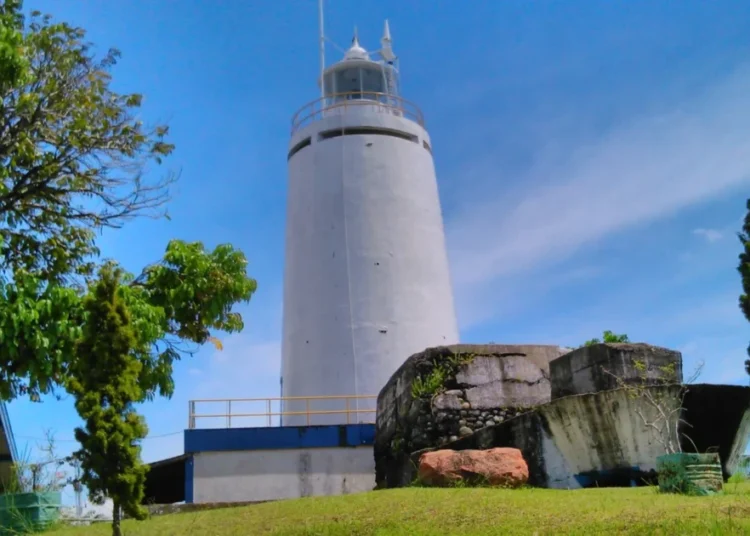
[{"x": 366, "y": 281}]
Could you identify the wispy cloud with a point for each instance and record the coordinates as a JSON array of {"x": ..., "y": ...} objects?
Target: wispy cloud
[
  {"x": 633, "y": 175},
  {"x": 710, "y": 235}
]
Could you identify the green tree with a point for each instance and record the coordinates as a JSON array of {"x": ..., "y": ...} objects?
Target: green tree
[
  {"x": 105, "y": 382},
  {"x": 73, "y": 161},
  {"x": 744, "y": 269},
  {"x": 129, "y": 332},
  {"x": 177, "y": 305},
  {"x": 13, "y": 63},
  {"x": 73, "y": 156},
  {"x": 608, "y": 336}
]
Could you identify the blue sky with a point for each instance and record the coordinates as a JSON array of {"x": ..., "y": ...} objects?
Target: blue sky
[{"x": 592, "y": 157}]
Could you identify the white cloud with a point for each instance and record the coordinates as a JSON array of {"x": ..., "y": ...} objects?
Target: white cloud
[
  {"x": 710, "y": 235},
  {"x": 633, "y": 175}
]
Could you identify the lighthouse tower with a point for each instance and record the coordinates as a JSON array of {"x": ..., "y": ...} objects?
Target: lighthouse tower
[{"x": 366, "y": 281}]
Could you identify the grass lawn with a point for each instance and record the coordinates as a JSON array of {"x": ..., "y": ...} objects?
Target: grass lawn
[{"x": 477, "y": 511}]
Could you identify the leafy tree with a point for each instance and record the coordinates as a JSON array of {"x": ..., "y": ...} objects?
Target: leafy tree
[
  {"x": 744, "y": 269},
  {"x": 176, "y": 305},
  {"x": 609, "y": 337},
  {"x": 131, "y": 329},
  {"x": 179, "y": 303},
  {"x": 13, "y": 63},
  {"x": 73, "y": 161},
  {"x": 74, "y": 156},
  {"x": 105, "y": 382}
]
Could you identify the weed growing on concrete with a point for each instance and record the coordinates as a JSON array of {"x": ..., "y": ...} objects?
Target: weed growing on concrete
[
  {"x": 434, "y": 382},
  {"x": 665, "y": 406}
]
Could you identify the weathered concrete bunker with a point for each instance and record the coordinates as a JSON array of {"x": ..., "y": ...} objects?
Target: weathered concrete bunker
[{"x": 571, "y": 413}]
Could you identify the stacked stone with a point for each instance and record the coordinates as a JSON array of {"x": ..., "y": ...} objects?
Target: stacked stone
[{"x": 450, "y": 416}]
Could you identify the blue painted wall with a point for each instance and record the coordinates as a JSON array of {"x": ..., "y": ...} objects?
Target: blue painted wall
[
  {"x": 189, "y": 480},
  {"x": 286, "y": 437}
]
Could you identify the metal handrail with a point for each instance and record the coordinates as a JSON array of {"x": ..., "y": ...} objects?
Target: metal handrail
[
  {"x": 269, "y": 413},
  {"x": 384, "y": 102}
]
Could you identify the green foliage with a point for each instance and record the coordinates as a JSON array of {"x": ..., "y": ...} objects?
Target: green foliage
[
  {"x": 39, "y": 325},
  {"x": 13, "y": 63},
  {"x": 608, "y": 337},
  {"x": 176, "y": 305},
  {"x": 74, "y": 155},
  {"x": 131, "y": 330},
  {"x": 73, "y": 160},
  {"x": 443, "y": 368},
  {"x": 105, "y": 382},
  {"x": 431, "y": 384},
  {"x": 744, "y": 270}
]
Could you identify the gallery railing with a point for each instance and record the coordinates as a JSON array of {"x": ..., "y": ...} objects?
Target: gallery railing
[
  {"x": 227, "y": 410},
  {"x": 356, "y": 100}
]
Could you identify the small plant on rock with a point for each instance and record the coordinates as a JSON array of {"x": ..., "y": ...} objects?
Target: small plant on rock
[
  {"x": 608, "y": 337},
  {"x": 442, "y": 370}
]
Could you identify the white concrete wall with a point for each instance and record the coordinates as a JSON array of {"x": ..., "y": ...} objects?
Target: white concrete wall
[
  {"x": 602, "y": 432},
  {"x": 366, "y": 280},
  {"x": 260, "y": 475}
]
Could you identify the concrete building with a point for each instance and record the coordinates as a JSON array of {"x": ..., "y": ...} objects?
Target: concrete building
[
  {"x": 366, "y": 281},
  {"x": 255, "y": 464}
]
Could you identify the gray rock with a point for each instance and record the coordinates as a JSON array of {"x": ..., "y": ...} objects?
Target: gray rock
[
  {"x": 446, "y": 401},
  {"x": 462, "y": 422},
  {"x": 497, "y": 419},
  {"x": 465, "y": 405},
  {"x": 489, "y": 423},
  {"x": 454, "y": 392},
  {"x": 465, "y": 431},
  {"x": 454, "y": 438}
]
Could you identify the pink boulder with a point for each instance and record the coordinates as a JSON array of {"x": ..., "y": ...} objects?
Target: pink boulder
[{"x": 495, "y": 467}]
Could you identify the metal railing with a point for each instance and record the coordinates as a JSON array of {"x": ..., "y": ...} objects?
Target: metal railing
[
  {"x": 341, "y": 102},
  {"x": 229, "y": 406}
]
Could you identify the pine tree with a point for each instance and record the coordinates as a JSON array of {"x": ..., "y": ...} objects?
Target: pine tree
[
  {"x": 105, "y": 383},
  {"x": 744, "y": 270}
]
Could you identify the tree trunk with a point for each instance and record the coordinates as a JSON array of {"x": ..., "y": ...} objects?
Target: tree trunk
[{"x": 116, "y": 530}]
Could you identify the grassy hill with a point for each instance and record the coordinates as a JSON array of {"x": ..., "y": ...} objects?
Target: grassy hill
[{"x": 482, "y": 511}]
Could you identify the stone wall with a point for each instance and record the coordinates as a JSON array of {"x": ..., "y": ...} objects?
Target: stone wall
[
  {"x": 445, "y": 393},
  {"x": 591, "y": 369},
  {"x": 599, "y": 439},
  {"x": 564, "y": 411}
]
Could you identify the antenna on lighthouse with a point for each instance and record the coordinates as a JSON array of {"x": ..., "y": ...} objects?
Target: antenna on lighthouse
[
  {"x": 386, "y": 52},
  {"x": 322, "y": 44}
]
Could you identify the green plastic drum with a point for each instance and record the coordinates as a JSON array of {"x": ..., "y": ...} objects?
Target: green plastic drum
[
  {"x": 693, "y": 474},
  {"x": 24, "y": 513}
]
